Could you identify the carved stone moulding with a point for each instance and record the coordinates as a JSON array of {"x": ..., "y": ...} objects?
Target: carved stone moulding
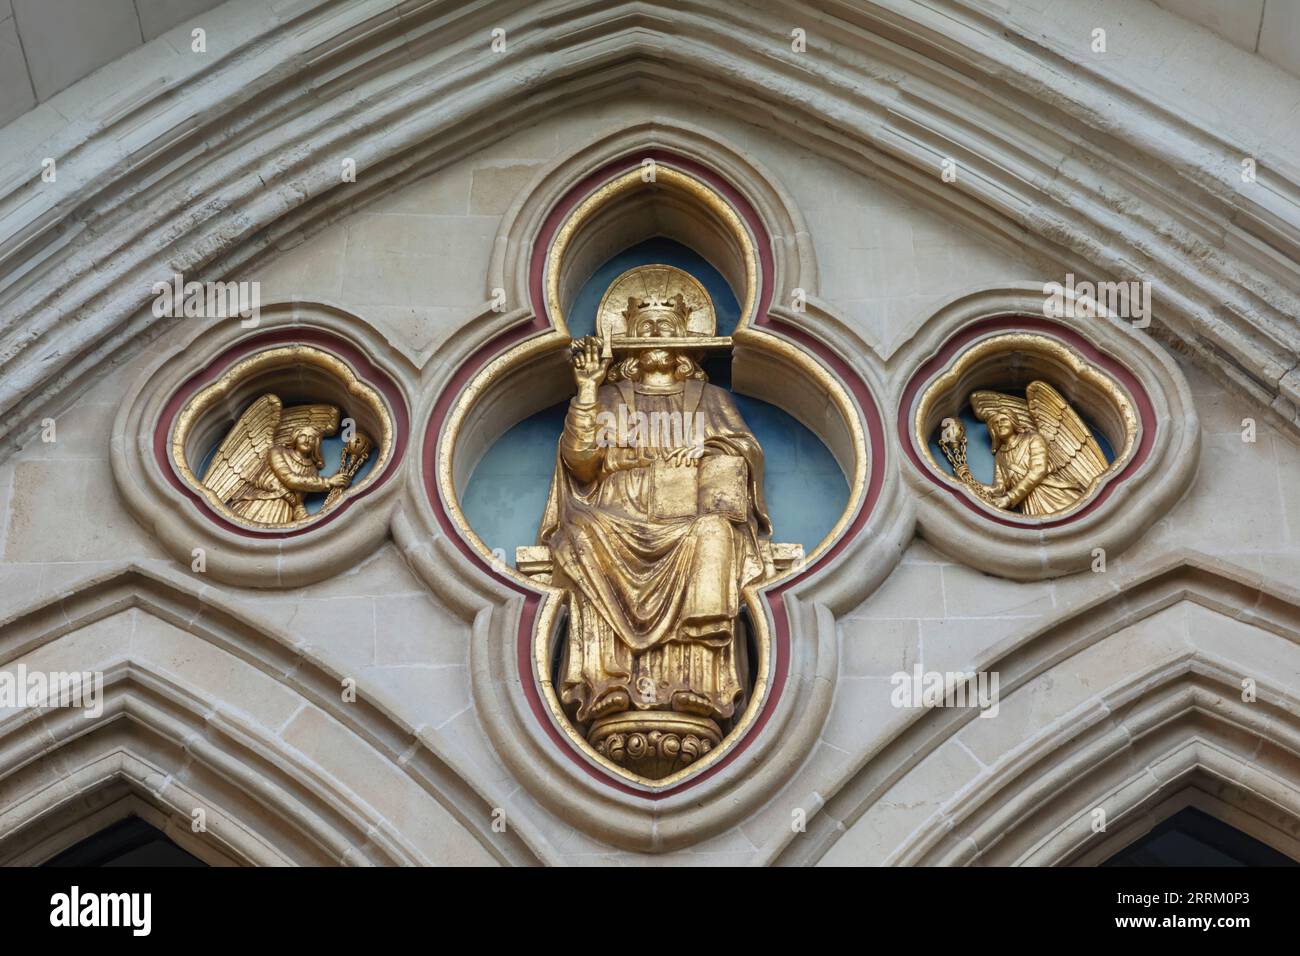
[
  {"x": 198, "y": 402},
  {"x": 667, "y": 197},
  {"x": 1118, "y": 382},
  {"x": 616, "y": 207},
  {"x": 697, "y": 777}
]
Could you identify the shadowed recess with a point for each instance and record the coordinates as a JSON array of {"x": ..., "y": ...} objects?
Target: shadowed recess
[
  {"x": 129, "y": 842},
  {"x": 1192, "y": 837}
]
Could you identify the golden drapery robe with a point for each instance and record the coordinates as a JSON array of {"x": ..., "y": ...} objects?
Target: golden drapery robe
[
  {"x": 280, "y": 486},
  {"x": 1023, "y": 470},
  {"x": 653, "y": 600}
]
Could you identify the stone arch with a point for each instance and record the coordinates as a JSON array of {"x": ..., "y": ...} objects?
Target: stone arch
[
  {"x": 119, "y": 794},
  {"x": 794, "y": 260},
  {"x": 1185, "y": 737},
  {"x": 146, "y": 181},
  {"x": 144, "y": 757},
  {"x": 1144, "y": 706},
  {"x": 1210, "y": 793},
  {"x": 203, "y": 708},
  {"x": 151, "y": 182}
]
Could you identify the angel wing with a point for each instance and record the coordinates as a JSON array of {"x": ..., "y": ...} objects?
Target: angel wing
[
  {"x": 242, "y": 454},
  {"x": 1071, "y": 448},
  {"x": 323, "y": 417}
]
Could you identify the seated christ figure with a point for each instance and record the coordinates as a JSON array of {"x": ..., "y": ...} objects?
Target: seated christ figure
[{"x": 656, "y": 523}]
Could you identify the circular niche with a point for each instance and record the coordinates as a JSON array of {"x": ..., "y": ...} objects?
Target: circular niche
[
  {"x": 260, "y": 443},
  {"x": 1060, "y": 391},
  {"x": 1087, "y": 419}
]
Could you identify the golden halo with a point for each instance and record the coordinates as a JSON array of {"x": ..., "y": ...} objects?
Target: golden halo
[{"x": 658, "y": 283}]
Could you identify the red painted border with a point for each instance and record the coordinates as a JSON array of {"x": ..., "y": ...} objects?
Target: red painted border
[
  {"x": 366, "y": 370},
  {"x": 541, "y": 322},
  {"x": 1017, "y": 323}
]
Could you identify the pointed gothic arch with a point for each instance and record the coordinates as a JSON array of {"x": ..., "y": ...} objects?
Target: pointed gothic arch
[
  {"x": 144, "y": 757},
  {"x": 951, "y": 72},
  {"x": 292, "y": 99},
  {"x": 223, "y": 712},
  {"x": 1165, "y": 704}
]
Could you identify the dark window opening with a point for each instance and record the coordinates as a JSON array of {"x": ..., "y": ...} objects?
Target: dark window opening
[
  {"x": 129, "y": 842},
  {"x": 1193, "y": 838}
]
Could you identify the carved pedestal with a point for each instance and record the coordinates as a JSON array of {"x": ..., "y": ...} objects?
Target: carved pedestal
[{"x": 654, "y": 743}]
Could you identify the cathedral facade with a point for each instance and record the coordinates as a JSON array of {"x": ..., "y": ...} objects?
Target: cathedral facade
[{"x": 548, "y": 433}]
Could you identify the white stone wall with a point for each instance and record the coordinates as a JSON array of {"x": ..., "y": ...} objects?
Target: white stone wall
[
  {"x": 50, "y": 44},
  {"x": 414, "y": 265}
]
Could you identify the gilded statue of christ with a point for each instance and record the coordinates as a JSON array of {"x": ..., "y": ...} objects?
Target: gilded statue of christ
[{"x": 654, "y": 532}]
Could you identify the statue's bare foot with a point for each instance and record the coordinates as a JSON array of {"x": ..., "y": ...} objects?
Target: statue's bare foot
[
  {"x": 688, "y": 702},
  {"x": 611, "y": 703}
]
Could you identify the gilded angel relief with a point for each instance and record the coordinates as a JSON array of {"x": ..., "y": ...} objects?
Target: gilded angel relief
[
  {"x": 1045, "y": 458},
  {"x": 271, "y": 460}
]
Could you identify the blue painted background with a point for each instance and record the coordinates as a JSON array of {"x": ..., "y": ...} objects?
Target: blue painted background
[{"x": 806, "y": 491}]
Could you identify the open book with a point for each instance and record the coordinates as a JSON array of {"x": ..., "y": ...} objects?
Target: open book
[{"x": 719, "y": 484}]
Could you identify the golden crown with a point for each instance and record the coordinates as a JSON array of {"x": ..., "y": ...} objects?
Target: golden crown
[
  {"x": 656, "y": 305},
  {"x": 657, "y": 290}
]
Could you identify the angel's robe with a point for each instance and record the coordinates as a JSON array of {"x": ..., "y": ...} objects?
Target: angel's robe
[
  {"x": 1023, "y": 471},
  {"x": 653, "y": 601},
  {"x": 275, "y": 495}
]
